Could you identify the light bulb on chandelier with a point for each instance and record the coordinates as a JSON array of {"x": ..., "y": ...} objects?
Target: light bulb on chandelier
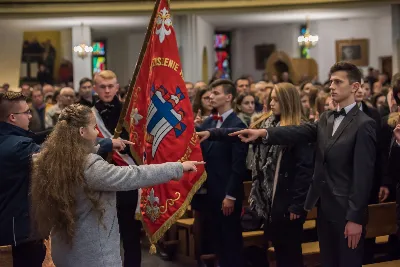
[
  {"x": 83, "y": 50},
  {"x": 307, "y": 40}
]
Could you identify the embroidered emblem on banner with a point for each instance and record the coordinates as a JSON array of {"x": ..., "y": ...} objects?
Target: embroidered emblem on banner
[
  {"x": 163, "y": 24},
  {"x": 162, "y": 116}
]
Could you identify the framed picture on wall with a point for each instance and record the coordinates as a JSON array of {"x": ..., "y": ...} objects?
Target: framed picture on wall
[
  {"x": 355, "y": 51},
  {"x": 262, "y": 53}
]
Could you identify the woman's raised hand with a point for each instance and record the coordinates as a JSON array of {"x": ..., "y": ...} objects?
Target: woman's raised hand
[{"x": 190, "y": 166}]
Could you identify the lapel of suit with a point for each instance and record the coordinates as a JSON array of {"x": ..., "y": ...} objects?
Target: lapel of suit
[
  {"x": 343, "y": 125},
  {"x": 329, "y": 126},
  {"x": 227, "y": 121},
  {"x": 213, "y": 124},
  {"x": 365, "y": 109}
]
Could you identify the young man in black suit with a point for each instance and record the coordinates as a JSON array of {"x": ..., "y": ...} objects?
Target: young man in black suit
[
  {"x": 226, "y": 167},
  {"x": 344, "y": 168}
]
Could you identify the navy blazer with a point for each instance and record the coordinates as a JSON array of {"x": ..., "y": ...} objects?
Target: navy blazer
[{"x": 226, "y": 164}]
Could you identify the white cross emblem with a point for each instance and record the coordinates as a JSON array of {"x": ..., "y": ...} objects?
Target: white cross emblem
[{"x": 163, "y": 21}]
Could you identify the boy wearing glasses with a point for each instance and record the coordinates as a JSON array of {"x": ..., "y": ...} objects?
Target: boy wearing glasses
[{"x": 17, "y": 145}]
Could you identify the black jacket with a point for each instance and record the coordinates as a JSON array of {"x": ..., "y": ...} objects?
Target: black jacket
[
  {"x": 344, "y": 162},
  {"x": 16, "y": 149},
  {"x": 226, "y": 165},
  {"x": 295, "y": 175},
  {"x": 379, "y": 178},
  {"x": 109, "y": 113}
]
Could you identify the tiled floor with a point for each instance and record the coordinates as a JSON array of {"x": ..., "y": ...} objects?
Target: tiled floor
[{"x": 155, "y": 261}]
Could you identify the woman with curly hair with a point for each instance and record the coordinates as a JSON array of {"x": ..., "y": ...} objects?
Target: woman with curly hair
[{"x": 73, "y": 192}]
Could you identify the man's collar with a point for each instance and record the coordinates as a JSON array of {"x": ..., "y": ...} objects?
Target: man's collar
[
  {"x": 348, "y": 108},
  {"x": 11, "y": 129},
  {"x": 226, "y": 114}
]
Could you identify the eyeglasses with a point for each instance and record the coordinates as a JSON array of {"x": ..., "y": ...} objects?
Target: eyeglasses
[
  {"x": 27, "y": 112},
  {"x": 68, "y": 96}
]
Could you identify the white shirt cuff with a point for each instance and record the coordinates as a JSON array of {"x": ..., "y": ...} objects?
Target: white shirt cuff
[{"x": 229, "y": 197}]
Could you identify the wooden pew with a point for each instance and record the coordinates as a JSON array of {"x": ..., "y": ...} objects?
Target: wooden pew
[
  {"x": 384, "y": 264},
  {"x": 6, "y": 256},
  {"x": 381, "y": 222},
  {"x": 252, "y": 238}
]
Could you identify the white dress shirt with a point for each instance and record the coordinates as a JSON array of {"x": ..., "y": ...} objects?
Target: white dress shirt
[
  {"x": 224, "y": 116},
  {"x": 340, "y": 118}
]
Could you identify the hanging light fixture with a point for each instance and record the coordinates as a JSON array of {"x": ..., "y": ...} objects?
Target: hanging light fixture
[
  {"x": 307, "y": 40},
  {"x": 83, "y": 50}
]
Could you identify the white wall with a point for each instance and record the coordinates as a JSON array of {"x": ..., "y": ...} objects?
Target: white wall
[
  {"x": 377, "y": 30},
  {"x": 123, "y": 48},
  {"x": 135, "y": 42},
  {"x": 283, "y": 36},
  {"x": 10, "y": 55},
  {"x": 205, "y": 38},
  {"x": 66, "y": 44},
  {"x": 396, "y": 37}
]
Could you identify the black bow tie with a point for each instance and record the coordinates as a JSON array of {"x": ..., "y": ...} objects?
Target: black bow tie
[{"x": 342, "y": 112}]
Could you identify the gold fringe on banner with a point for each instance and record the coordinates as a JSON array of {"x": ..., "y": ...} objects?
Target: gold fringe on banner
[{"x": 176, "y": 216}]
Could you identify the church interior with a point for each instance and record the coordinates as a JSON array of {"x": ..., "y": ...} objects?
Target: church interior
[{"x": 57, "y": 43}]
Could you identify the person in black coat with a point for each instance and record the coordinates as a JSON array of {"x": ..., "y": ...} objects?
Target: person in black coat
[
  {"x": 281, "y": 178},
  {"x": 226, "y": 167},
  {"x": 17, "y": 145},
  {"x": 344, "y": 168},
  {"x": 393, "y": 156},
  {"x": 381, "y": 185},
  {"x": 108, "y": 109}
]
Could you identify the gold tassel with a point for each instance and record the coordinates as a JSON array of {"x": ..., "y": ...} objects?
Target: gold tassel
[{"x": 153, "y": 249}]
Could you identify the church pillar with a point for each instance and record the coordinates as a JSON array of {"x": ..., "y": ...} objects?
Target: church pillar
[
  {"x": 82, "y": 66},
  {"x": 193, "y": 34}
]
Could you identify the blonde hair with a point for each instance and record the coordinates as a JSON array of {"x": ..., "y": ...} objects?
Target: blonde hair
[
  {"x": 289, "y": 103},
  {"x": 105, "y": 74}
]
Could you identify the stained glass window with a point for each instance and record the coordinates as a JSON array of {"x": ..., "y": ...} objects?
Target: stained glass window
[
  {"x": 99, "y": 49},
  {"x": 99, "y": 64},
  {"x": 304, "y": 51},
  {"x": 99, "y": 56},
  {"x": 222, "y": 47}
]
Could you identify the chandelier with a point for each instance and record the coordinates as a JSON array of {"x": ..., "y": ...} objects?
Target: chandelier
[
  {"x": 83, "y": 50},
  {"x": 307, "y": 40}
]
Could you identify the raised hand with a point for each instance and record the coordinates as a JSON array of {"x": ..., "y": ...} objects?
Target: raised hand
[
  {"x": 249, "y": 135},
  {"x": 190, "y": 166},
  {"x": 198, "y": 119},
  {"x": 120, "y": 144},
  {"x": 204, "y": 135}
]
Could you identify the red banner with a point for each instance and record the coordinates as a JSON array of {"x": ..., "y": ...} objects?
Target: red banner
[{"x": 160, "y": 121}]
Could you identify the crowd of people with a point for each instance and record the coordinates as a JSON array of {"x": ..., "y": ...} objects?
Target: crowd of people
[{"x": 332, "y": 145}]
